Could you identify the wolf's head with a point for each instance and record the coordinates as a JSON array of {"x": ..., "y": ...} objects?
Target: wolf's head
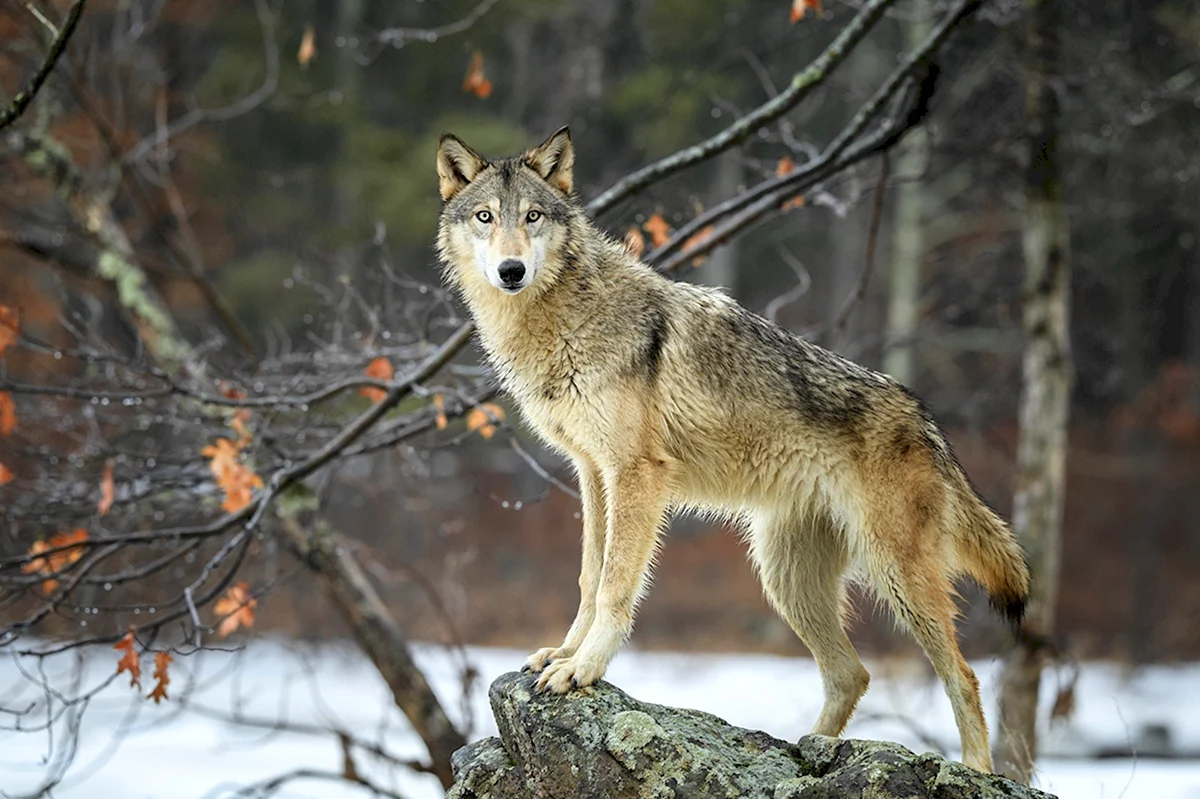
[{"x": 505, "y": 223}]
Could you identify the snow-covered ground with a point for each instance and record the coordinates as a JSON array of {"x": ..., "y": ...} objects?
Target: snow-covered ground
[{"x": 132, "y": 749}]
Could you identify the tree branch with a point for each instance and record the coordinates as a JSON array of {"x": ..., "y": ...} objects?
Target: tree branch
[
  {"x": 24, "y": 97},
  {"x": 801, "y": 86}
]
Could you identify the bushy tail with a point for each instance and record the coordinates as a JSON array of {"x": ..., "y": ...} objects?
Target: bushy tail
[{"x": 990, "y": 553}]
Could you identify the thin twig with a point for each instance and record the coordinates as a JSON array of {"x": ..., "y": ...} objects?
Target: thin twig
[
  {"x": 864, "y": 277},
  {"x": 26, "y": 95}
]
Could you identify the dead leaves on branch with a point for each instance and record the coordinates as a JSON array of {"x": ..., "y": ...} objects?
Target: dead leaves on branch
[
  {"x": 10, "y": 327},
  {"x": 235, "y": 609},
  {"x": 162, "y": 660},
  {"x": 802, "y": 7},
  {"x": 308, "y": 47},
  {"x": 785, "y": 167},
  {"x": 53, "y": 555},
  {"x": 8, "y": 414},
  {"x": 476, "y": 82},
  {"x": 485, "y": 419},
  {"x": 131, "y": 661},
  {"x": 378, "y": 369},
  {"x": 107, "y": 490},
  {"x": 233, "y": 477}
]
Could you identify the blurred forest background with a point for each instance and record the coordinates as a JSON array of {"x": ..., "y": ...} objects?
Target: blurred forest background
[{"x": 244, "y": 193}]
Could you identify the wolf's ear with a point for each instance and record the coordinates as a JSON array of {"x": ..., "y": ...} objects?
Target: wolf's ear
[
  {"x": 457, "y": 165},
  {"x": 554, "y": 160}
]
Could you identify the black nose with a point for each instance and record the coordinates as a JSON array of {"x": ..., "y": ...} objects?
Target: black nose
[{"x": 511, "y": 271}]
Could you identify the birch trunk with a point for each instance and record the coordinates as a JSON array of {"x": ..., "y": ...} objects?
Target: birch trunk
[
  {"x": 1042, "y": 448},
  {"x": 908, "y": 240}
]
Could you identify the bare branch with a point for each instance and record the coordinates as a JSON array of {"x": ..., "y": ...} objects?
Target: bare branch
[{"x": 26, "y": 95}]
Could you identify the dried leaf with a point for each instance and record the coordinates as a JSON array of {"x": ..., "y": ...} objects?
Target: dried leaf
[
  {"x": 659, "y": 230},
  {"x": 476, "y": 82},
  {"x": 800, "y": 7},
  {"x": 130, "y": 661},
  {"x": 479, "y": 419},
  {"x": 232, "y": 476},
  {"x": 8, "y": 413},
  {"x": 10, "y": 327},
  {"x": 702, "y": 235},
  {"x": 107, "y": 490},
  {"x": 6, "y": 474},
  {"x": 439, "y": 402},
  {"x": 635, "y": 242},
  {"x": 378, "y": 369},
  {"x": 69, "y": 551},
  {"x": 308, "y": 47},
  {"x": 161, "y": 661},
  {"x": 787, "y": 166},
  {"x": 239, "y": 422},
  {"x": 235, "y": 609}
]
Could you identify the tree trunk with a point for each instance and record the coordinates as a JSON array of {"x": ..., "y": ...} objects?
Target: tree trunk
[
  {"x": 908, "y": 240},
  {"x": 1042, "y": 448},
  {"x": 328, "y": 554}
]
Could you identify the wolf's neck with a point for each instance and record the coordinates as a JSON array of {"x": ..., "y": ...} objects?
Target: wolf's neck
[{"x": 529, "y": 331}]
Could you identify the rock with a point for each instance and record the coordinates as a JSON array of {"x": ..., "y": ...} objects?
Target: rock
[{"x": 600, "y": 742}]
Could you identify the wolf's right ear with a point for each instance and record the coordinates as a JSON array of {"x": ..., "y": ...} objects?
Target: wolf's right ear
[{"x": 457, "y": 165}]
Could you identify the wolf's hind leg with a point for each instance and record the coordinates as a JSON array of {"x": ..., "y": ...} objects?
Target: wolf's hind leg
[
  {"x": 801, "y": 565},
  {"x": 595, "y": 519},
  {"x": 920, "y": 594}
]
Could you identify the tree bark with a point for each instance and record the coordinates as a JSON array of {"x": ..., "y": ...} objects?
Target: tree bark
[
  {"x": 328, "y": 554},
  {"x": 1042, "y": 446},
  {"x": 908, "y": 236}
]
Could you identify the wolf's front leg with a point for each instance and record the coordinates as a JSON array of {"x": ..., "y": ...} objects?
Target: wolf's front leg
[
  {"x": 638, "y": 495},
  {"x": 595, "y": 519}
]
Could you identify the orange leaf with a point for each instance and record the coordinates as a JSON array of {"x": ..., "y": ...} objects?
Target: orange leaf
[
  {"x": 236, "y": 609},
  {"x": 786, "y": 166},
  {"x": 378, "y": 369},
  {"x": 795, "y": 202},
  {"x": 702, "y": 235},
  {"x": 658, "y": 229},
  {"x": 232, "y": 476},
  {"x": 439, "y": 402},
  {"x": 161, "y": 661},
  {"x": 8, "y": 413},
  {"x": 308, "y": 47},
  {"x": 10, "y": 327},
  {"x": 241, "y": 417},
  {"x": 476, "y": 82},
  {"x": 479, "y": 419},
  {"x": 799, "y": 7},
  {"x": 6, "y": 475},
  {"x": 130, "y": 661},
  {"x": 107, "y": 489},
  {"x": 635, "y": 242},
  {"x": 55, "y": 562}
]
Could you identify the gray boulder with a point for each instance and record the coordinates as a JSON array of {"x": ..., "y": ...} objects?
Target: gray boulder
[{"x": 600, "y": 742}]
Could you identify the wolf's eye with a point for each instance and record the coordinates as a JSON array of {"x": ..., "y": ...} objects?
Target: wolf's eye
[
  {"x": 533, "y": 216},
  {"x": 484, "y": 216}
]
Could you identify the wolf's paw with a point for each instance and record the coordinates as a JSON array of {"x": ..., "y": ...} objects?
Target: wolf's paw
[
  {"x": 543, "y": 657},
  {"x": 572, "y": 672}
]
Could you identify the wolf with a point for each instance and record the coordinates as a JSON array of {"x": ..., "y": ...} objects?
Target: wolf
[{"x": 668, "y": 395}]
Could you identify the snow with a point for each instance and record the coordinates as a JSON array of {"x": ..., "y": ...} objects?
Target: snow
[{"x": 131, "y": 748}]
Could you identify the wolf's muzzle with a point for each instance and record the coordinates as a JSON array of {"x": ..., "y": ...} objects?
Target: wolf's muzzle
[{"x": 511, "y": 272}]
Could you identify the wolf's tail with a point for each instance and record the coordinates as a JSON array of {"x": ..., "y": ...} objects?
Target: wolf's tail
[{"x": 989, "y": 552}]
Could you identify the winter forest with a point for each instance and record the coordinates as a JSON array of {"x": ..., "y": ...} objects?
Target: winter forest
[{"x": 269, "y": 526}]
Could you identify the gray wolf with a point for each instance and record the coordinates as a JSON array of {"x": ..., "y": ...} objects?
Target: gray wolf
[{"x": 664, "y": 394}]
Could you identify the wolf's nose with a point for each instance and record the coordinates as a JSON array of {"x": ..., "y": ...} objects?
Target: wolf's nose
[{"x": 511, "y": 271}]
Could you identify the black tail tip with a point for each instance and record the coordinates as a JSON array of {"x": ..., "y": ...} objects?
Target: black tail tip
[{"x": 1011, "y": 607}]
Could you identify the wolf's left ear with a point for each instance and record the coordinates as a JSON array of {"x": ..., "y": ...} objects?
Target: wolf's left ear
[
  {"x": 457, "y": 165},
  {"x": 554, "y": 160}
]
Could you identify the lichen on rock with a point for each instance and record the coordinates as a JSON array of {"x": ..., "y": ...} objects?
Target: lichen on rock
[{"x": 600, "y": 742}]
